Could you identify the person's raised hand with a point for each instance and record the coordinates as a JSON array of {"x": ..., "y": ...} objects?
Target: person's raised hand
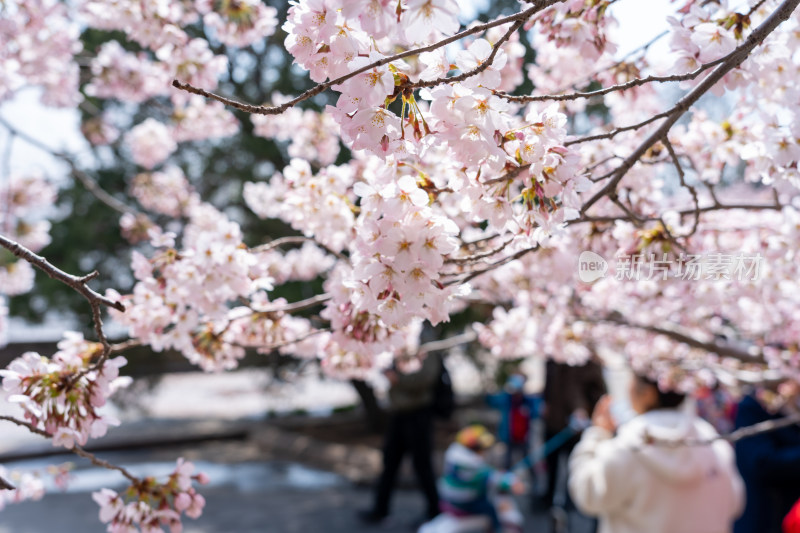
[{"x": 601, "y": 417}]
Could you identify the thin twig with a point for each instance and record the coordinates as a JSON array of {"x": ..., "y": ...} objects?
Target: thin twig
[
  {"x": 76, "y": 282},
  {"x": 279, "y": 345},
  {"x": 300, "y": 305},
  {"x": 77, "y": 450},
  {"x": 683, "y": 212},
  {"x": 508, "y": 176},
  {"x": 480, "y": 255},
  {"x": 500, "y": 262},
  {"x": 616, "y": 131},
  {"x": 682, "y": 177},
  {"x": 79, "y": 284},
  {"x": 614, "y": 88},
  {"x": 737, "y": 435},
  {"x": 294, "y": 239},
  {"x": 450, "y": 342}
]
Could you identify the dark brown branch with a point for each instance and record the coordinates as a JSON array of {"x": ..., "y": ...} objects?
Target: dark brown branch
[
  {"x": 79, "y": 284},
  {"x": 616, "y": 131},
  {"x": 76, "y": 282}
]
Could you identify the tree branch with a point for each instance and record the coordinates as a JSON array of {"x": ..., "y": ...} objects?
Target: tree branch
[
  {"x": 733, "y": 60},
  {"x": 77, "y": 450},
  {"x": 450, "y": 342},
  {"x": 682, "y": 177},
  {"x": 682, "y": 337},
  {"x": 614, "y": 88},
  {"x": 76, "y": 282},
  {"x": 734, "y": 436}
]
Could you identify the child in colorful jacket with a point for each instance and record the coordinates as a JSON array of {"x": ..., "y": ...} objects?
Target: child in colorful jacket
[{"x": 468, "y": 479}]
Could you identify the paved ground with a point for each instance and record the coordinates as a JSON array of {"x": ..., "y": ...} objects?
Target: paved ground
[
  {"x": 246, "y": 495},
  {"x": 266, "y": 477}
]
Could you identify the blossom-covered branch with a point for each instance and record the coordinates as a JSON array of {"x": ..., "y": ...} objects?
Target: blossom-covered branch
[
  {"x": 733, "y": 60},
  {"x": 518, "y": 19}
]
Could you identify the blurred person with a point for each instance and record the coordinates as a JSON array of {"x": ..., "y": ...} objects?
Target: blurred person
[
  {"x": 769, "y": 463},
  {"x": 409, "y": 430},
  {"x": 791, "y": 522},
  {"x": 570, "y": 391},
  {"x": 468, "y": 478},
  {"x": 647, "y": 478},
  {"x": 717, "y": 406},
  {"x": 517, "y": 409}
]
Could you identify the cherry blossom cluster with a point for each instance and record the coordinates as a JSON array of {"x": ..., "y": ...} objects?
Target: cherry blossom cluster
[
  {"x": 360, "y": 341},
  {"x": 126, "y": 76},
  {"x": 27, "y": 486},
  {"x": 564, "y": 315},
  {"x": 169, "y": 53},
  {"x": 312, "y": 136},
  {"x": 320, "y": 205},
  {"x": 306, "y": 263},
  {"x": 166, "y": 191},
  {"x": 30, "y": 484},
  {"x": 238, "y": 22},
  {"x": 707, "y": 32},
  {"x": 63, "y": 395},
  {"x": 325, "y": 36},
  {"x": 39, "y": 39},
  {"x": 149, "y": 505},
  {"x": 22, "y": 198},
  {"x": 183, "y": 297},
  {"x": 579, "y": 25}
]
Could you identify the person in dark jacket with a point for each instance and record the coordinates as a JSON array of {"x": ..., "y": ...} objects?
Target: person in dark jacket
[
  {"x": 569, "y": 391},
  {"x": 770, "y": 467},
  {"x": 409, "y": 430}
]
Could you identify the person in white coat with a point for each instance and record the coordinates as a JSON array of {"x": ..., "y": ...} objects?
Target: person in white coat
[{"x": 654, "y": 475}]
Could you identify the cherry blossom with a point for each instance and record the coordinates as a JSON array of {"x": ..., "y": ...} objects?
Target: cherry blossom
[
  {"x": 238, "y": 23},
  {"x": 150, "y": 143},
  {"x": 72, "y": 415},
  {"x": 458, "y": 195},
  {"x": 149, "y": 505}
]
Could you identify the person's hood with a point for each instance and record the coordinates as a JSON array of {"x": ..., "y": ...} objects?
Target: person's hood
[
  {"x": 458, "y": 454},
  {"x": 659, "y": 440}
]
